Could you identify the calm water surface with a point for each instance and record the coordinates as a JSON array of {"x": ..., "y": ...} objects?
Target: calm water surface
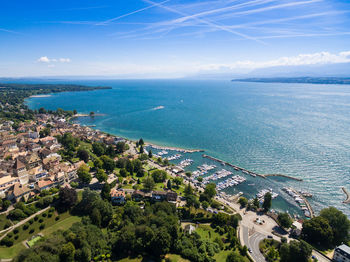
[{"x": 301, "y": 130}]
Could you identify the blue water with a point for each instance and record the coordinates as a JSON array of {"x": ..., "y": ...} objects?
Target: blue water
[{"x": 301, "y": 130}]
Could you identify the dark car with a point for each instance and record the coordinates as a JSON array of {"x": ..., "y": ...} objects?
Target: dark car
[{"x": 269, "y": 236}]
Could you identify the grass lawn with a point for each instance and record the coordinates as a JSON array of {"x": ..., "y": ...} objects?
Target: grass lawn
[
  {"x": 33, "y": 241},
  {"x": 177, "y": 258},
  {"x": 51, "y": 225},
  {"x": 206, "y": 232},
  {"x": 130, "y": 260},
  {"x": 3, "y": 221}
]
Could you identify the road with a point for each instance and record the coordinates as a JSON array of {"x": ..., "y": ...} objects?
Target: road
[
  {"x": 252, "y": 242},
  {"x": 320, "y": 257}
]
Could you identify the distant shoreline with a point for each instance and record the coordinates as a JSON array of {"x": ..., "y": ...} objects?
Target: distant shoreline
[
  {"x": 298, "y": 80},
  {"x": 38, "y": 96}
]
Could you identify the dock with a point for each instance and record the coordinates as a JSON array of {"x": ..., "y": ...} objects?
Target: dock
[
  {"x": 286, "y": 176},
  {"x": 181, "y": 150},
  {"x": 234, "y": 166},
  {"x": 346, "y": 192},
  {"x": 311, "y": 211}
]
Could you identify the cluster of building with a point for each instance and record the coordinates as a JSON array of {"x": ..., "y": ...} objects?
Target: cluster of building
[
  {"x": 30, "y": 164},
  {"x": 118, "y": 196}
]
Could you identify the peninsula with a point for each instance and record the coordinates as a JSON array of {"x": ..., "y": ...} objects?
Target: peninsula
[{"x": 299, "y": 80}]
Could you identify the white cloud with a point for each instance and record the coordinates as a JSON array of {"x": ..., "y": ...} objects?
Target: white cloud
[
  {"x": 320, "y": 58},
  {"x": 45, "y": 59}
]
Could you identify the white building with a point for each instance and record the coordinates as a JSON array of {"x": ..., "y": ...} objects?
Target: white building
[{"x": 342, "y": 254}]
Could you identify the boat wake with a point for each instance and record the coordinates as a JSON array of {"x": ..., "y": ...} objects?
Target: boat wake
[{"x": 157, "y": 108}]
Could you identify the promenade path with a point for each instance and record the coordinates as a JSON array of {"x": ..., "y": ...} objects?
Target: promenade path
[{"x": 20, "y": 223}]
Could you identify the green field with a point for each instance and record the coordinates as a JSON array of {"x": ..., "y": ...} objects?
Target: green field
[
  {"x": 51, "y": 225},
  {"x": 34, "y": 240}
]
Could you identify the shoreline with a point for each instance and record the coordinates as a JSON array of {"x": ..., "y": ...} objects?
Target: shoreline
[
  {"x": 87, "y": 115},
  {"x": 39, "y": 96}
]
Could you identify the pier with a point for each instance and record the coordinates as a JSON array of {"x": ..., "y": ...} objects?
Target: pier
[
  {"x": 346, "y": 192},
  {"x": 306, "y": 203},
  {"x": 234, "y": 166},
  {"x": 281, "y": 175},
  {"x": 174, "y": 148}
]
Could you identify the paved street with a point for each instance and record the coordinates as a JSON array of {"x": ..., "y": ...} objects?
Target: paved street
[
  {"x": 319, "y": 257},
  {"x": 252, "y": 242}
]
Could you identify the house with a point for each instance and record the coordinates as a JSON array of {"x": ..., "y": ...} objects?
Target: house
[
  {"x": 138, "y": 195},
  {"x": 19, "y": 168},
  {"x": 9, "y": 144},
  {"x": 117, "y": 196},
  {"x": 33, "y": 135},
  {"x": 171, "y": 196},
  {"x": 17, "y": 191},
  {"x": 189, "y": 229},
  {"x": 33, "y": 160},
  {"x": 44, "y": 184},
  {"x": 47, "y": 140},
  {"x": 5, "y": 183},
  {"x": 36, "y": 173},
  {"x": 342, "y": 253},
  {"x": 159, "y": 195}
]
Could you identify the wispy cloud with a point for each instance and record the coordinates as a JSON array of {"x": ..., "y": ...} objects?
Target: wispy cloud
[
  {"x": 320, "y": 58},
  {"x": 10, "y": 31},
  {"x": 131, "y": 13},
  {"x": 45, "y": 59}
]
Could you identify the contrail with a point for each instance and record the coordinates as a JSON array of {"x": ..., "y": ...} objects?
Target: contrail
[
  {"x": 223, "y": 28},
  {"x": 131, "y": 13}
]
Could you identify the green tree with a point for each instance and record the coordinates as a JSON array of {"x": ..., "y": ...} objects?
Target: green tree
[
  {"x": 108, "y": 163},
  {"x": 284, "y": 220},
  {"x": 256, "y": 203},
  {"x": 169, "y": 184},
  {"x": 84, "y": 174},
  {"x": 83, "y": 155},
  {"x": 267, "y": 201},
  {"x": 188, "y": 190},
  {"x": 98, "y": 163},
  {"x": 141, "y": 149},
  {"x": 120, "y": 147},
  {"x": 243, "y": 201},
  {"x": 106, "y": 191},
  {"x": 130, "y": 167},
  {"x": 159, "y": 176},
  {"x": 150, "y": 155},
  {"x": 98, "y": 148},
  {"x": 123, "y": 172},
  {"x": 235, "y": 257},
  {"x": 141, "y": 142},
  {"x": 148, "y": 184},
  {"x": 67, "y": 252},
  {"x": 210, "y": 190},
  {"x": 317, "y": 231},
  {"x": 101, "y": 175},
  {"x": 96, "y": 217},
  {"x": 339, "y": 223},
  {"x": 67, "y": 197}
]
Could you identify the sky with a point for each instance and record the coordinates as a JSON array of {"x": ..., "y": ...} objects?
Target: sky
[{"x": 169, "y": 38}]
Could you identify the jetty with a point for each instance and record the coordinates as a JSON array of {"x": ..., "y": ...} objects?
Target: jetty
[
  {"x": 174, "y": 148},
  {"x": 234, "y": 166},
  {"x": 312, "y": 214},
  {"x": 281, "y": 175},
  {"x": 346, "y": 192}
]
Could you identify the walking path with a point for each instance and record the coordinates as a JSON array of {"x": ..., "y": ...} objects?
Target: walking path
[
  {"x": 347, "y": 200},
  {"x": 23, "y": 222}
]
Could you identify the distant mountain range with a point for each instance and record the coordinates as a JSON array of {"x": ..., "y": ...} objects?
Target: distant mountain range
[{"x": 305, "y": 80}]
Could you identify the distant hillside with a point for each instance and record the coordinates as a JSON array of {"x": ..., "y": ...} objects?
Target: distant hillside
[{"x": 300, "y": 80}]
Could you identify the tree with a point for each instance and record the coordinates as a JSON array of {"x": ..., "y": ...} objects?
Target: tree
[
  {"x": 101, "y": 175},
  {"x": 141, "y": 149},
  {"x": 140, "y": 173},
  {"x": 317, "y": 231},
  {"x": 83, "y": 155},
  {"x": 120, "y": 147},
  {"x": 98, "y": 163},
  {"x": 188, "y": 174},
  {"x": 148, "y": 184},
  {"x": 106, "y": 191},
  {"x": 99, "y": 149},
  {"x": 137, "y": 165},
  {"x": 295, "y": 251},
  {"x": 339, "y": 223},
  {"x": 123, "y": 172},
  {"x": 45, "y": 132},
  {"x": 284, "y": 220},
  {"x": 92, "y": 113},
  {"x": 243, "y": 201},
  {"x": 42, "y": 110},
  {"x": 130, "y": 167},
  {"x": 159, "y": 176},
  {"x": 150, "y": 155},
  {"x": 210, "y": 190},
  {"x": 256, "y": 203},
  {"x": 6, "y": 204},
  {"x": 205, "y": 205},
  {"x": 267, "y": 201},
  {"x": 169, "y": 185},
  {"x": 141, "y": 142},
  {"x": 108, "y": 163},
  {"x": 84, "y": 174},
  {"x": 188, "y": 190},
  {"x": 178, "y": 181},
  {"x": 67, "y": 252},
  {"x": 75, "y": 112},
  {"x": 67, "y": 197},
  {"x": 272, "y": 254}
]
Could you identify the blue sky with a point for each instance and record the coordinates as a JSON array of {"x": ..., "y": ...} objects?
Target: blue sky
[{"x": 169, "y": 38}]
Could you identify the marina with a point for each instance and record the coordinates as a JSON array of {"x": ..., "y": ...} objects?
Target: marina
[{"x": 300, "y": 199}]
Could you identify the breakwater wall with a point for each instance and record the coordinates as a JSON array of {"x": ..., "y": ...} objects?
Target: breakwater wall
[
  {"x": 346, "y": 192},
  {"x": 286, "y": 176}
]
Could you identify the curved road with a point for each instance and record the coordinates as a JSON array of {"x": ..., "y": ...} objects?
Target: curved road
[{"x": 252, "y": 242}]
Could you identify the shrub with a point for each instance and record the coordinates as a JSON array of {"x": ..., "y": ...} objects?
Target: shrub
[
  {"x": 41, "y": 220},
  {"x": 7, "y": 224},
  {"x": 31, "y": 221},
  {"x": 15, "y": 231},
  {"x": 51, "y": 210},
  {"x": 31, "y": 231},
  {"x": 10, "y": 234},
  {"x": 44, "y": 215},
  {"x": 42, "y": 226},
  {"x": 16, "y": 237},
  {"x": 36, "y": 218},
  {"x": 6, "y": 241},
  {"x": 49, "y": 215},
  {"x": 25, "y": 227},
  {"x": 57, "y": 218}
]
